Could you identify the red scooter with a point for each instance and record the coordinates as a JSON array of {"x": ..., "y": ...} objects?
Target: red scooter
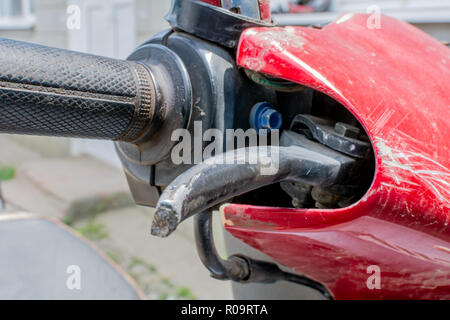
[{"x": 324, "y": 149}]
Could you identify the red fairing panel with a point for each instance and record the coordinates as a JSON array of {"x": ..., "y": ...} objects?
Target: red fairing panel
[
  {"x": 395, "y": 80},
  {"x": 264, "y": 7},
  {"x": 213, "y": 2}
]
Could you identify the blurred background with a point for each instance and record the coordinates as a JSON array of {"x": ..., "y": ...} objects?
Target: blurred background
[
  {"x": 432, "y": 16},
  {"x": 81, "y": 182}
]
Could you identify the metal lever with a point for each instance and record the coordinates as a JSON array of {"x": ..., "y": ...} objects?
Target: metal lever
[{"x": 213, "y": 182}]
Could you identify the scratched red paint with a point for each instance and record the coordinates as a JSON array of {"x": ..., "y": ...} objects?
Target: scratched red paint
[
  {"x": 395, "y": 81},
  {"x": 264, "y": 7},
  {"x": 213, "y": 2}
]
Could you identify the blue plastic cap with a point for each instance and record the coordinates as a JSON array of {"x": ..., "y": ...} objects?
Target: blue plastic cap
[{"x": 264, "y": 116}]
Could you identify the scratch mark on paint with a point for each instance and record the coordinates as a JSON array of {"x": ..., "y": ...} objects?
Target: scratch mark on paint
[
  {"x": 317, "y": 75},
  {"x": 443, "y": 249},
  {"x": 280, "y": 40},
  {"x": 381, "y": 122},
  {"x": 402, "y": 168},
  {"x": 344, "y": 18},
  {"x": 225, "y": 221},
  {"x": 397, "y": 187},
  {"x": 401, "y": 121}
]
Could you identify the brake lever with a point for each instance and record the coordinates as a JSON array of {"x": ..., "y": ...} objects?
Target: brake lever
[{"x": 227, "y": 175}]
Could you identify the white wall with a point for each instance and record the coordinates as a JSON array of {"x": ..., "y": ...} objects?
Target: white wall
[
  {"x": 113, "y": 28},
  {"x": 106, "y": 28}
]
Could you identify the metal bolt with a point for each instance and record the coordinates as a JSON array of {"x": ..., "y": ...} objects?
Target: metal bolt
[{"x": 347, "y": 130}]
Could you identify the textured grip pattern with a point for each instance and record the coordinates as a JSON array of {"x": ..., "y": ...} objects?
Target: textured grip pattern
[{"x": 49, "y": 91}]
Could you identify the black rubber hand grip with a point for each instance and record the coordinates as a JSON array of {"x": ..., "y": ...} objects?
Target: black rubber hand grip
[{"x": 55, "y": 92}]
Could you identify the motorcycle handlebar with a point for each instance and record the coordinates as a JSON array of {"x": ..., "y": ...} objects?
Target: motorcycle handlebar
[{"x": 55, "y": 92}]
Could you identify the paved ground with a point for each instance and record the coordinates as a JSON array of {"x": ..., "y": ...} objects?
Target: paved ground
[{"x": 93, "y": 198}]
